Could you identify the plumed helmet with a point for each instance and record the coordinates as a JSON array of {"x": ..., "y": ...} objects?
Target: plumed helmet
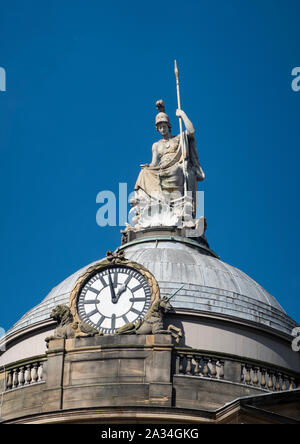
[{"x": 161, "y": 116}]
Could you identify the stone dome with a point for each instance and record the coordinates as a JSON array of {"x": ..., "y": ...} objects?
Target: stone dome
[{"x": 210, "y": 285}]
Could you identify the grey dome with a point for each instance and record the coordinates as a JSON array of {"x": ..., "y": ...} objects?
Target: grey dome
[{"x": 211, "y": 286}]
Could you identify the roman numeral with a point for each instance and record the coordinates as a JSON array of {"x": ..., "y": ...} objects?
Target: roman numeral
[{"x": 94, "y": 301}]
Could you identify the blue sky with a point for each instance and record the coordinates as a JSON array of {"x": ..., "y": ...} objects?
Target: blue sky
[{"x": 78, "y": 118}]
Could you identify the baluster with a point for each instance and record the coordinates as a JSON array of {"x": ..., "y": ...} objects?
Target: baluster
[
  {"x": 248, "y": 374},
  {"x": 277, "y": 381},
  {"x": 291, "y": 381},
  {"x": 243, "y": 373},
  {"x": 15, "y": 378},
  {"x": 28, "y": 374},
  {"x": 9, "y": 380},
  {"x": 255, "y": 375},
  {"x": 189, "y": 364},
  {"x": 177, "y": 363},
  {"x": 205, "y": 367},
  {"x": 263, "y": 378},
  {"x": 284, "y": 382},
  {"x": 34, "y": 375},
  {"x": 40, "y": 372},
  {"x": 213, "y": 371},
  {"x": 181, "y": 368},
  {"x": 221, "y": 372},
  {"x": 270, "y": 381},
  {"x": 21, "y": 379},
  {"x": 197, "y": 366}
]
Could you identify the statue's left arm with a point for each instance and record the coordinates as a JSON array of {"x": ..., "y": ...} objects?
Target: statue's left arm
[
  {"x": 188, "y": 124},
  {"x": 192, "y": 154}
]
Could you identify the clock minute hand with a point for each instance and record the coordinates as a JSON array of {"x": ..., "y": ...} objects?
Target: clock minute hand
[{"x": 112, "y": 290}]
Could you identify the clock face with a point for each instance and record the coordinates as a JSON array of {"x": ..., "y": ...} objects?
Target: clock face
[{"x": 113, "y": 297}]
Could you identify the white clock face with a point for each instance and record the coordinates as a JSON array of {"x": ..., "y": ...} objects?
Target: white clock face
[{"x": 114, "y": 297}]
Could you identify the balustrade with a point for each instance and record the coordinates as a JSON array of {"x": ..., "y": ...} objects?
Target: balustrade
[
  {"x": 198, "y": 365},
  {"x": 266, "y": 378},
  {"x": 24, "y": 375},
  {"x": 204, "y": 366}
]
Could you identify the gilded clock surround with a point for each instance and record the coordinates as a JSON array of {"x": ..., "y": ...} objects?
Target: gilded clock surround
[{"x": 112, "y": 260}]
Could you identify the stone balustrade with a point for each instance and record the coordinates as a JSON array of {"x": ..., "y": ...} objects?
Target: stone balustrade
[
  {"x": 195, "y": 364},
  {"x": 188, "y": 363},
  {"x": 204, "y": 365},
  {"x": 24, "y": 375},
  {"x": 267, "y": 378}
]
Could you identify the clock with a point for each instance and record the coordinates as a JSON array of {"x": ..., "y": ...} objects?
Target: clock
[{"x": 114, "y": 296}]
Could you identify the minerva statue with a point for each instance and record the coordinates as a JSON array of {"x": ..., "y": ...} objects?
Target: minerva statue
[{"x": 165, "y": 191}]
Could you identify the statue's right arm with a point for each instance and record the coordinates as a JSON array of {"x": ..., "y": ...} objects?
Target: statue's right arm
[{"x": 155, "y": 158}]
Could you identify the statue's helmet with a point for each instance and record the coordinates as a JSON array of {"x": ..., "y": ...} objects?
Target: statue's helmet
[{"x": 161, "y": 116}]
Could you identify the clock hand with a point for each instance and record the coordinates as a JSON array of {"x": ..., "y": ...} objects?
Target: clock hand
[
  {"x": 121, "y": 290},
  {"x": 124, "y": 286},
  {"x": 112, "y": 290}
]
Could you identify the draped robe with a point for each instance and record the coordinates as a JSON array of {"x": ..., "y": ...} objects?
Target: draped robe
[{"x": 168, "y": 177}]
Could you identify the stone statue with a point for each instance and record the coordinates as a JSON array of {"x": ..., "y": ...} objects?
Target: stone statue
[
  {"x": 170, "y": 180},
  {"x": 153, "y": 322},
  {"x": 67, "y": 328}
]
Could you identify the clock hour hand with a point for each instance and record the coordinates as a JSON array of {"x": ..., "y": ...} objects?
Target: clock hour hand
[
  {"x": 123, "y": 287},
  {"x": 114, "y": 298},
  {"x": 121, "y": 290}
]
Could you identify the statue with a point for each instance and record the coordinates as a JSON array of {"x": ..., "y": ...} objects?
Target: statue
[
  {"x": 67, "y": 328},
  {"x": 153, "y": 322},
  {"x": 171, "y": 178},
  {"x": 165, "y": 173},
  {"x": 165, "y": 191}
]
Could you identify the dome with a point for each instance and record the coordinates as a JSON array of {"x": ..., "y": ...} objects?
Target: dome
[{"x": 210, "y": 285}]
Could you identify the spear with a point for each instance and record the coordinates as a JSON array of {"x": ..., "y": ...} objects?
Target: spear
[
  {"x": 175, "y": 292},
  {"x": 180, "y": 126}
]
